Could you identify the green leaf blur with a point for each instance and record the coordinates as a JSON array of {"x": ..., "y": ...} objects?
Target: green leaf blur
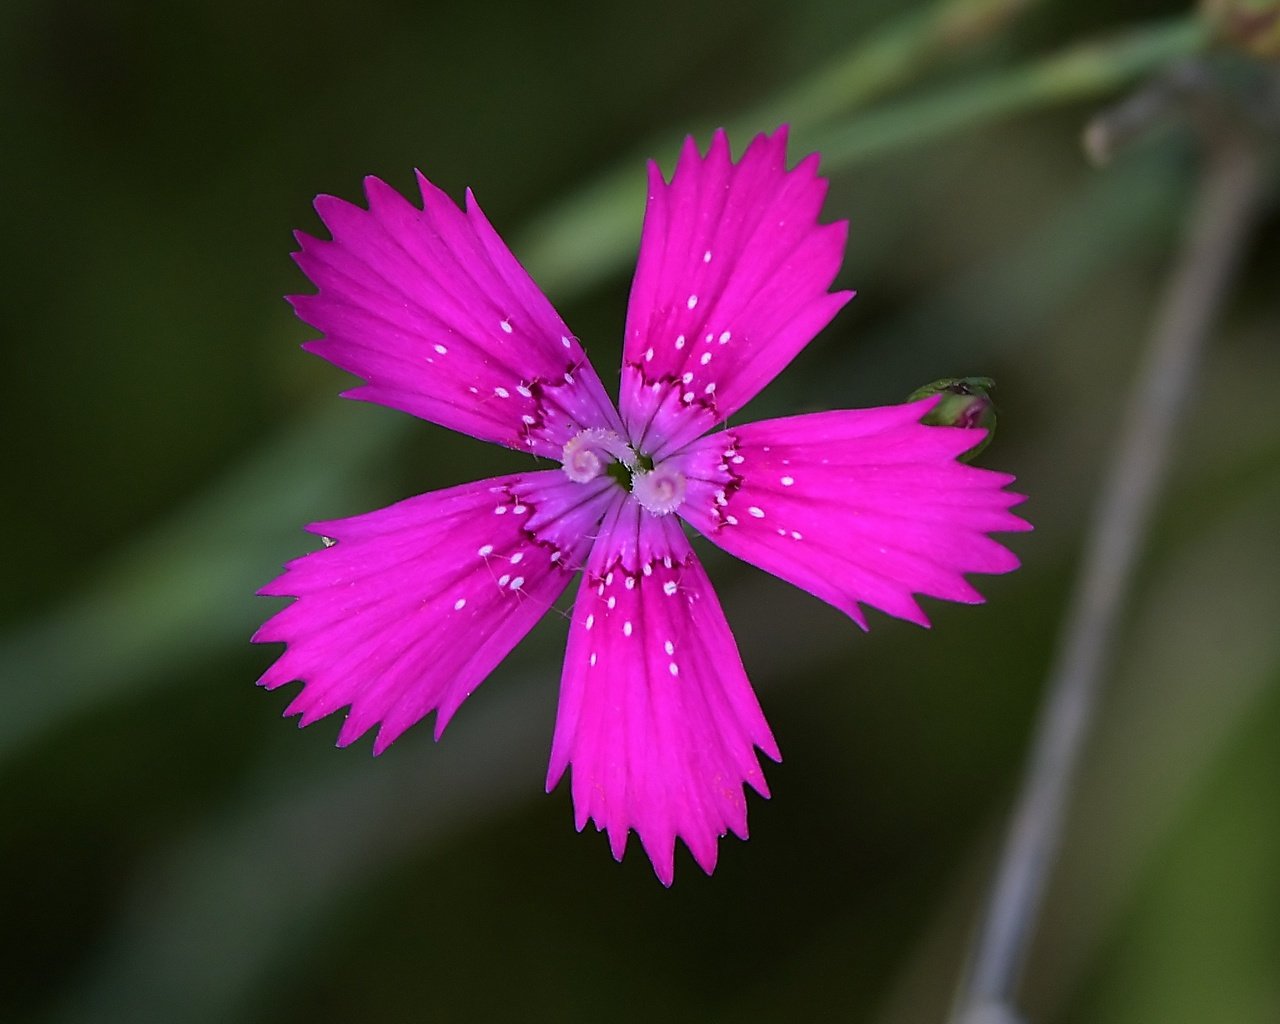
[{"x": 175, "y": 851}]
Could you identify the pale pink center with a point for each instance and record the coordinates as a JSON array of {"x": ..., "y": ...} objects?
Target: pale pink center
[{"x": 658, "y": 489}]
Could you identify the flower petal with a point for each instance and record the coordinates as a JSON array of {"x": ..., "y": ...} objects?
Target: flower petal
[
  {"x": 411, "y": 607},
  {"x": 656, "y": 713},
  {"x": 863, "y": 506},
  {"x": 433, "y": 311},
  {"x": 731, "y": 283}
]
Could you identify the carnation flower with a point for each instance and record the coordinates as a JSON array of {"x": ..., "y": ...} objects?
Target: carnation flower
[{"x": 408, "y": 609}]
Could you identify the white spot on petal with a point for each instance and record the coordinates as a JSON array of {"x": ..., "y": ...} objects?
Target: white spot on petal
[
  {"x": 626, "y": 628},
  {"x": 517, "y": 557},
  {"x": 501, "y": 510},
  {"x": 724, "y": 338},
  {"x": 504, "y": 579},
  {"x": 731, "y": 520},
  {"x": 756, "y": 511},
  {"x": 592, "y": 659},
  {"x": 524, "y": 391},
  {"x": 612, "y": 603},
  {"x": 648, "y": 356},
  {"x": 693, "y": 301},
  {"x": 485, "y": 551},
  {"x": 565, "y": 342},
  {"x": 674, "y": 669},
  {"x": 706, "y": 358},
  {"x": 680, "y": 341},
  {"x": 687, "y": 378},
  {"x": 706, "y": 256},
  {"x": 669, "y": 647},
  {"x": 669, "y": 588},
  {"x": 502, "y": 392},
  {"x": 787, "y": 481},
  {"x": 506, "y": 326},
  {"x": 591, "y": 621},
  {"x": 459, "y": 604},
  {"x": 442, "y": 350}
]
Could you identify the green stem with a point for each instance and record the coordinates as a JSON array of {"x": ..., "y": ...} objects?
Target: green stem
[
  {"x": 1081, "y": 72},
  {"x": 1197, "y": 287}
]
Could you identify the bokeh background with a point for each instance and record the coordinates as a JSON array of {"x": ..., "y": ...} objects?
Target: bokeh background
[{"x": 173, "y": 850}]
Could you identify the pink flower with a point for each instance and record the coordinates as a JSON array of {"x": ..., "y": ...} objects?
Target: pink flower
[{"x": 407, "y": 609}]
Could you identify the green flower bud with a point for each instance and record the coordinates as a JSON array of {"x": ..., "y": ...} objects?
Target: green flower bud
[{"x": 966, "y": 402}]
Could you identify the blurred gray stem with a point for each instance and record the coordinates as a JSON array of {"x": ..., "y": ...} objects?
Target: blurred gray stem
[{"x": 1218, "y": 229}]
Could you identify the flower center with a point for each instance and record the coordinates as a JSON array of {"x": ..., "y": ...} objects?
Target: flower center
[{"x": 589, "y": 453}]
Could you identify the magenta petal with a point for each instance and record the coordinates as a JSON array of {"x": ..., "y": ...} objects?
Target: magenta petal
[
  {"x": 406, "y": 610},
  {"x": 431, "y": 309},
  {"x": 656, "y": 713},
  {"x": 864, "y": 506},
  {"x": 731, "y": 283},
  {"x": 415, "y": 604}
]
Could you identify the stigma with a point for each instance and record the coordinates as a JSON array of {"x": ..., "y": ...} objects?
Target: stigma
[
  {"x": 659, "y": 490},
  {"x": 590, "y": 452}
]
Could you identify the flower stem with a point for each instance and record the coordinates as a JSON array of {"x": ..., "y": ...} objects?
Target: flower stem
[
  {"x": 1086, "y": 69},
  {"x": 1219, "y": 226}
]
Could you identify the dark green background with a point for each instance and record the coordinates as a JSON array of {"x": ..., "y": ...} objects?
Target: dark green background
[{"x": 174, "y": 851}]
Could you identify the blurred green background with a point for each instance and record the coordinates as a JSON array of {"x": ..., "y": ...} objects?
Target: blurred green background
[{"x": 175, "y": 851}]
